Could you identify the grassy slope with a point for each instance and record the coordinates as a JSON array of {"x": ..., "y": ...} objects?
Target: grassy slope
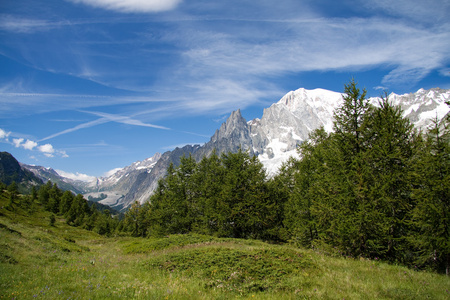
[{"x": 62, "y": 262}]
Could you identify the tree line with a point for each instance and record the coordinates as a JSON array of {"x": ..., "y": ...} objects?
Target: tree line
[
  {"x": 375, "y": 187},
  {"x": 75, "y": 209}
]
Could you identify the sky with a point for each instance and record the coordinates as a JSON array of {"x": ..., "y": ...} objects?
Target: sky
[{"x": 87, "y": 86}]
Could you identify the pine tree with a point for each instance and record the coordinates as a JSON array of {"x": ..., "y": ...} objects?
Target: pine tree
[
  {"x": 349, "y": 120},
  {"x": 78, "y": 211},
  {"x": 132, "y": 219},
  {"x": 280, "y": 189},
  {"x": 13, "y": 189},
  {"x": 169, "y": 206},
  {"x": 352, "y": 223},
  {"x": 300, "y": 219},
  {"x": 66, "y": 202},
  {"x": 243, "y": 201},
  {"x": 208, "y": 179},
  {"x": 431, "y": 216},
  {"x": 43, "y": 193},
  {"x": 390, "y": 146},
  {"x": 33, "y": 194}
]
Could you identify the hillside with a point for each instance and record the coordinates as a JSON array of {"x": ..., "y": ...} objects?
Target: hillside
[
  {"x": 11, "y": 171},
  {"x": 41, "y": 261}
]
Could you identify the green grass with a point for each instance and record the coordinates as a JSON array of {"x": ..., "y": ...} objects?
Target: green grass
[{"x": 39, "y": 261}]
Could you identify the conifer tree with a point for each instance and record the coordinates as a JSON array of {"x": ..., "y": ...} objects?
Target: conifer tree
[
  {"x": 43, "y": 193},
  {"x": 132, "y": 219},
  {"x": 208, "y": 179},
  {"x": 300, "y": 219},
  {"x": 243, "y": 201},
  {"x": 352, "y": 224},
  {"x": 33, "y": 194},
  {"x": 188, "y": 193},
  {"x": 169, "y": 205},
  {"x": 280, "y": 189},
  {"x": 66, "y": 202},
  {"x": 13, "y": 188},
  {"x": 349, "y": 120},
  {"x": 431, "y": 215},
  {"x": 390, "y": 146}
]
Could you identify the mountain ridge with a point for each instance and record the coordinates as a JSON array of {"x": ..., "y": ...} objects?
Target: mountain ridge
[{"x": 273, "y": 138}]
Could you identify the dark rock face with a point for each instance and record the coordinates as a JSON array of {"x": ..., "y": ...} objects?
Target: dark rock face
[{"x": 11, "y": 171}]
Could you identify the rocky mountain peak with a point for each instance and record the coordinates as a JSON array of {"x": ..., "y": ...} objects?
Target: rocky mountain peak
[{"x": 235, "y": 126}]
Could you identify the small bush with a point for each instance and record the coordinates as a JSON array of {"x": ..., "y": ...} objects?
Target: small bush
[{"x": 237, "y": 270}]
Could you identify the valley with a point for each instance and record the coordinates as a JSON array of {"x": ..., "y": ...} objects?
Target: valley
[{"x": 40, "y": 261}]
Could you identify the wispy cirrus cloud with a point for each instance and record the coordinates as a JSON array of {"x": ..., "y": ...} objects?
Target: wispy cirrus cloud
[
  {"x": 124, "y": 119},
  {"x": 105, "y": 118},
  {"x": 25, "y": 25},
  {"x": 132, "y": 6},
  {"x": 319, "y": 44},
  {"x": 228, "y": 59}
]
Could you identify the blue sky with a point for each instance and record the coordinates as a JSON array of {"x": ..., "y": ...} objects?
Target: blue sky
[{"x": 87, "y": 86}]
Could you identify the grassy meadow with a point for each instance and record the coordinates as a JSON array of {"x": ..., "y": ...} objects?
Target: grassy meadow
[{"x": 40, "y": 261}]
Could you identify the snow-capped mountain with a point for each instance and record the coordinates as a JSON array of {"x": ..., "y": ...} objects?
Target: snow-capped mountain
[
  {"x": 121, "y": 175},
  {"x": 289, "y": 121},
  {"x": 119, "y": 184},
  {"x": 48, "y": 174},
  {"x": 273, "y": 138},
  {"x": 423, "y": 106}
]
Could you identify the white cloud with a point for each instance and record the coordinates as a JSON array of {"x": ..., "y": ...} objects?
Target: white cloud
[
  {"x": 124, "y": 119},
  {"x": 78, "y": 127},
  {"x": 62, "y": 153},
  {"x": 445, "y": 72},
  {"x": 4, "y": 134},
  {"x": 47, "y": 150},
  {"x": 76, "y": 176},
  {"x": 132, "y": 6},
  {"x": 380, "y": 88},
  {"x": 111, "y": 172},
  {"x": 17, "y": 142},
  {"x": 29, "y": 145}
]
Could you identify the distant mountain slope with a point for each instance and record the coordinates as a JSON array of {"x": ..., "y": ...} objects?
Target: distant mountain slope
[
  {"x": 48, "y": 174},
  {"x": 11, "y": 171}
]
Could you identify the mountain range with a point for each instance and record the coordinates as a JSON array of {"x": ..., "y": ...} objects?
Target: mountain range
[{"x": 273, "y": 139}]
